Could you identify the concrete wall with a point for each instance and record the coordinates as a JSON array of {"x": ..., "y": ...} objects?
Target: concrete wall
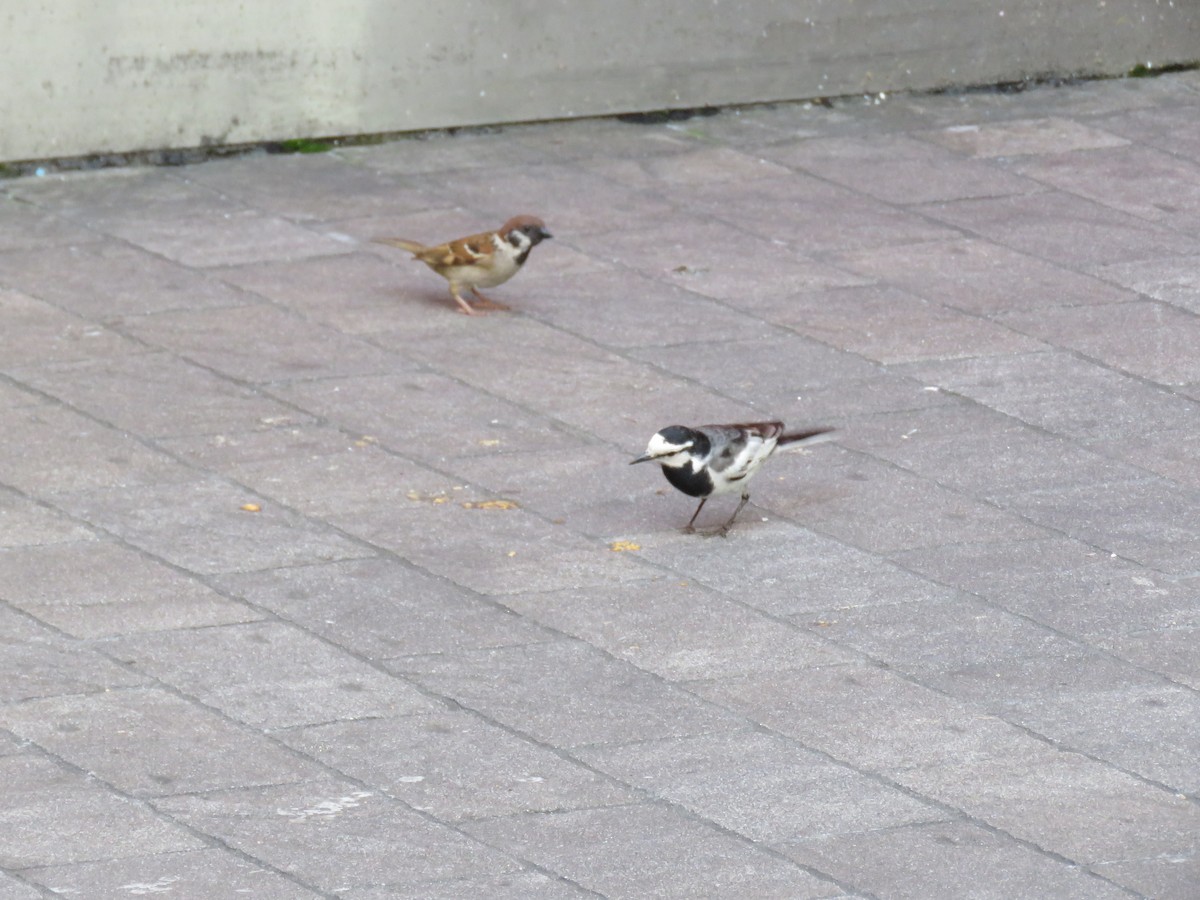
[{"x": 89, "y": 76}]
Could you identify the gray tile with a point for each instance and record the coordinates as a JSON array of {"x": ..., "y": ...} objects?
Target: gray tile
[
  {"x": 436, "y": 151},
  {"x": 201, "y": 526},
  {"x": 870, "y": 718},
  {"x": 811, "y": 214},
  {"x": 566, "y": 693},
  {"x": 157, "y": 394},
  {"x": 191, "y": 873},
  {"x": 455, "y": 766},
  {"x": 946, "y": 859},
  {"x": 1136, "y": 180},
  {"x": 773, "y": 371},
  {"x": 37, "y": 662},
  {"x": 1092, "y": 704},
  {"x": 147, "y": 742},
  {"x": 797, "y": 572},
  {"x": 682, "y": 858},
  {"x": 675, "y": 630},
  {"x": 335, "y": 836},
  {"x": 381, "y": 608},
  {"x": 569, "y": 379},
  {"x": 321, "y": 471},
  {"x": 763, "y": 787},
  {"x": 36, "y": 332},
  {"x": 199, "y": 237},
  {"x": 17, "y": 890},
  {"x": 26, "y": 523},
  {"x": 1167, "y": 877},
  {"x": 705, "y": 165},
  {"x": 1151, "y": 340},
  {"x": 433, "y": 416},
  {"x": 305, "y": 186},
  {"x": 96, "y": 197},
  {"x": 1171, "y": 652},
  {"x": 1065, "y": 803},
  {"x": 1174, "y": 280},
  {"x": 982, "y": 277},
  {"x": 548, "y": 481},
  {"x": 882, "y": 509},
  {"x": 888, "y": 325},
  {"x": 1065, "y": 584},
  {"x": 75, "y": 453},
  {"x": 1063, "y": 228},
  {"x": 637, "y": 311},
  {"x": 1061, "y": 393},
  {"x": 976, "y": 450},
  {"x": 898, "y": 168},
  {"x": 92, "y": 589},
  {"x": 1028, "y": 136},
  {"x": 260, "y": 344},
  {"x": 937, "y": 634},
  {"x": 53, "y": 816},
  {"x": 104, "y": 280},
  {"x": 1171, "y": 126},
  {"x": 515, "y": 886},
  {"x": 511, "y": 550},
  {"x": 23, "y": 225},
  {"x": 571, "y": 201},
  {"x": 677, "y": 251},
  {"x": 1148, "y": 520},
  {"x": 373, "y": 293},
  {"x": 269, "y": 675}
]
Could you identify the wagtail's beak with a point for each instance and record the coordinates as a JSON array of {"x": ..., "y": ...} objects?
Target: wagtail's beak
[{"x": 645, "y": 457}]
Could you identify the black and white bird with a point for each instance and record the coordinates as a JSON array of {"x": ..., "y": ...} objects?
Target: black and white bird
[{"x": 720, "y": 459}]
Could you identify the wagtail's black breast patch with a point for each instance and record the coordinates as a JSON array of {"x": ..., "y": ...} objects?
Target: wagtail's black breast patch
[{"x": 688, "y": 480}]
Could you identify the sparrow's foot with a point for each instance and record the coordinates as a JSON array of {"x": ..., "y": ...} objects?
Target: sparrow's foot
[
  {"x": 464, "y": 307},
  {"x": 488, "y": 302}
]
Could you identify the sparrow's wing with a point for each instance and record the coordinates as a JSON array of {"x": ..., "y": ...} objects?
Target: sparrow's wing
[{"x": 477, "y": 251}]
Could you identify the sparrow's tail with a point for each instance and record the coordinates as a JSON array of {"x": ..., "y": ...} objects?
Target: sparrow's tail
[
  {"x": 411, "y": 246},
  {"x": 796, "y": 439}
]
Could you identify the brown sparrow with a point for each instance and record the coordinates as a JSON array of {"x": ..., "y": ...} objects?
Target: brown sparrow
[{"x": 485, "y": 260}]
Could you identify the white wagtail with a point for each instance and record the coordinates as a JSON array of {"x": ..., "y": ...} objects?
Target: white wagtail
[{"x": 718, "y": 459}]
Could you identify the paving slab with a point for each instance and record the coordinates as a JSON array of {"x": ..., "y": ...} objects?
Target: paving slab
[{"x": 311, "y": 586}]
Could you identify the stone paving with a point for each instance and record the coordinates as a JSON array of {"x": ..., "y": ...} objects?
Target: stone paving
[{"x": 312, "y": 587}]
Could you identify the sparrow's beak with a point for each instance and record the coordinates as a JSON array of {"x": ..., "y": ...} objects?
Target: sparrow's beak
[
  {"x": 645, "y": 457},
  {"x": 544, "y": 233}
]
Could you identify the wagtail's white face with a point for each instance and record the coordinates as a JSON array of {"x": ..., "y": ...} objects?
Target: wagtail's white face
[{"x": 669, "y": 447}]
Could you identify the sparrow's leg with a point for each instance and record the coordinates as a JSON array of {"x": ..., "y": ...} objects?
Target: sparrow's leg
[
  {"x": 689, "y": 527},
  {"x": 488, "y": 302},
  {"x": 463, "y": 305},
  {"x": 724, "y": 529}
]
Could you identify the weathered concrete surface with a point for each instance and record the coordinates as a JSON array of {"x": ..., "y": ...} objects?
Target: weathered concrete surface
[
  {"x": 265, "y": 635},
  {"x": 82, "y": 76}
]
